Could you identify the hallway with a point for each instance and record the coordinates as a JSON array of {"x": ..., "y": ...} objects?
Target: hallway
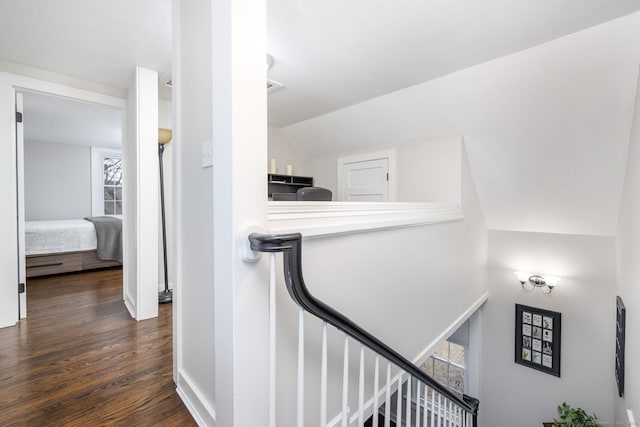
[{"x": 80, "y": 360}]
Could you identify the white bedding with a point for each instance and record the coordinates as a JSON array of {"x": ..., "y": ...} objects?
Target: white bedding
[{"x": 69, "y": 235}]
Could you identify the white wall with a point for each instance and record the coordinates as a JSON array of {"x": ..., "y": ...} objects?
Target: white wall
[
  {"x": 394, "y": 284},
  {"x": 57, "y": 181},
  {"x": 193, "y": 300},
  {"x": 629, "y": 271},
  {"x": 586, "y": 298},
  {"x": 282, "y": 150},
  {"x": 140, "y": 212},
  {"x": 427, "y": 170}
]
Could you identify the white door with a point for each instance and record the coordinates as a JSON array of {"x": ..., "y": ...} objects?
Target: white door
[
  {"x": 22, "y": 270},
  {"x": 365, "y": 180}
]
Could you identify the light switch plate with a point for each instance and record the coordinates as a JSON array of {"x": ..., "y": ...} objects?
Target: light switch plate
[{"x": 207, "y": 154}]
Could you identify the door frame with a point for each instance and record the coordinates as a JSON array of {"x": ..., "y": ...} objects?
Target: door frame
[
  {"x": 20, "y": 85},
  {"x": 390, "y": 155}
]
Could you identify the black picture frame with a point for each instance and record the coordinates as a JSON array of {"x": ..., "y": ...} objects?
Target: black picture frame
[
  {"x": 621, "y": 315},
  {"x": 538, "y": 339}
]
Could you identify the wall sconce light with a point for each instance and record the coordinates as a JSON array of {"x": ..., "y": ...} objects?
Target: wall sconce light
[{"x": 531, "y": 281}]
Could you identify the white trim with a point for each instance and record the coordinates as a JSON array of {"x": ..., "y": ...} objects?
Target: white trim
[
  {"x": 317, "y": 219},
  {"x": 378, "y": 155},
  {"x": 97, "y": 186},
  {"x": 426, "y": 352},
  {"x": 193, "y": 399},
  {"x": 19, "y": 143},
  {"x": 130, "y": 304},
  {"x": 419, "y": 359},
  {"x": 176, "y": 159}
]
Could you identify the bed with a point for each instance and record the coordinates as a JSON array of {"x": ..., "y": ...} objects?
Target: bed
[{"x": 62, "y": 246}]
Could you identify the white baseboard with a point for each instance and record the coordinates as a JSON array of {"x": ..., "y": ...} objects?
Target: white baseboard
[
  {"x": 131, "y": 307},
  {"x": 426, "y": 352},
  {"x": 201, "y": 411}
]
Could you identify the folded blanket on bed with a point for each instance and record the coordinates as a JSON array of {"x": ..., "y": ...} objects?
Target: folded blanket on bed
[{"x": 109, "y": 234}]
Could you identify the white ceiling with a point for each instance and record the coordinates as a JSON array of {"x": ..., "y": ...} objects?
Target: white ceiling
[
  {"x": 101, "y": 41},
  {"x": 334, "y": 53},
  {"x": 63, "y": 121}
]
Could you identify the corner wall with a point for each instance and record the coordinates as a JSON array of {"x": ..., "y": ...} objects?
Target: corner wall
[
  {"x": 586, "y": 298},
  {"x": 629, "y": 271},
  {"x": 193, "y": 293}
]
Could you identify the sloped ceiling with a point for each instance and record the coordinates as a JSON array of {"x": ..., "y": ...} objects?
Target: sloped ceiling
[
  {"x": 331, "y": 54},
  {"x": 546, "y": 129}
]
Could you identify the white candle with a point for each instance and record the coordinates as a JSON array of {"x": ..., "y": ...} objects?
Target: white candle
[
  {"x": 272, "y": 166},
  {"x": 289, "y": 170}
]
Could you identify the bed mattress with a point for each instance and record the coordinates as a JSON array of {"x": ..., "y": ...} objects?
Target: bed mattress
[{"x": 69, "y": 235}]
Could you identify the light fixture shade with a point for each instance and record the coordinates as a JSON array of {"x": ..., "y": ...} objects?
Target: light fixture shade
[
  {"x": 551, "y": 280},
  {"x": 522, "y": 276},
  {"x": 164, "y": 135}
]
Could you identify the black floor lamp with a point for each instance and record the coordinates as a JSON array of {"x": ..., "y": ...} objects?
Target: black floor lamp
[{"x": 166, "y": 296}]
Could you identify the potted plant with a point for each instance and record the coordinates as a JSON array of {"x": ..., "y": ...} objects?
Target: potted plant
[{"x": 574, "y": 417}]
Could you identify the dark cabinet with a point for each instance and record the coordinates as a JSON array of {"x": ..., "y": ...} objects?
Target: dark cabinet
[{"x": 287, "y": 183}]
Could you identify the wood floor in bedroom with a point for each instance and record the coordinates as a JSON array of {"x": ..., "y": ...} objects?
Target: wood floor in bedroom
[{"x": 80, "y": 360}]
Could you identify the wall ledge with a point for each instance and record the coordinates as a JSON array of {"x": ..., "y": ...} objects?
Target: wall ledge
[{"x": 320, "y": 219}]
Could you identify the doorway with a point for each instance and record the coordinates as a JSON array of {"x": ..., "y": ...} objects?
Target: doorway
[{"x": 55, "y": 139}]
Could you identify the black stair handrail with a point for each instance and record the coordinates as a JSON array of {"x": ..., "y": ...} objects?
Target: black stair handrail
[{"x": 291, "y": 247}]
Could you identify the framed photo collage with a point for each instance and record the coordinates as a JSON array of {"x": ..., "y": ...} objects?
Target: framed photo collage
[{"x": 537, "y": 342}]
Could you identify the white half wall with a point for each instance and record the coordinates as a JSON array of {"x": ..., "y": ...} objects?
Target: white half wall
[
  {"x": 629, "y": 271},
  {"x": 586, "y": 298},
  {"x": 57, "y": 181}
]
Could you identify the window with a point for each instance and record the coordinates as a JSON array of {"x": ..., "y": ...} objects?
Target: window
[
  {"x": 447, "y": 365},
  {"x": 106, "y": 181},
  {"x": 112, "y": 185}
]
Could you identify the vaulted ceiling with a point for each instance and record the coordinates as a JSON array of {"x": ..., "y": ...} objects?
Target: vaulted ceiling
[{"x": 545, "y": 112}]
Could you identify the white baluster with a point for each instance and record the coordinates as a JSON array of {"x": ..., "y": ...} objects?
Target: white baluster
[
  {"x": 323, "y": 378},
  {"x": 399, "y": 400},
  {"x": 455, "y": 414},
  {"x": 345, "y": 383},
  {"x": 440, "y": 410},
  {"x": 361, "y": 390},
  {"x": 408, "y": 403},
  {"x": 300, "y": 367},
  {"x": 376, "y": 386},
  {"x": 417, "y": 403},
  {"x": 433, "y": 408},
  {"x": 387, "y": 398},
  {"x": 425, "y": 412},
  {"x": 272, "y": 340}
]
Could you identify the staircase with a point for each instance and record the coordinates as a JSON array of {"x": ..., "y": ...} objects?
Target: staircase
[{"x": 406, "y": 396}]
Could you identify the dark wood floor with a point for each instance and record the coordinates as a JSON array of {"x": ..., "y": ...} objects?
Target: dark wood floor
[{"x": 80, "y": 360}]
